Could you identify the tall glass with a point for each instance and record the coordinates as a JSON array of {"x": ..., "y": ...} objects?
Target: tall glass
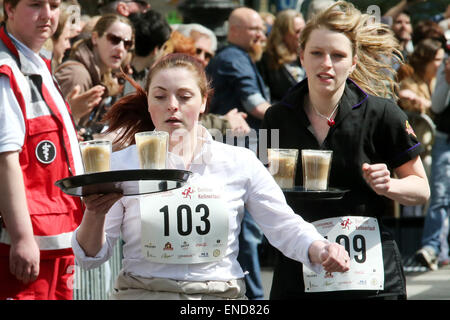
[
  {"x": 96, "y": 155},
  {"x": 282, "y": 166},
  {"x": 152, "y": 147}
]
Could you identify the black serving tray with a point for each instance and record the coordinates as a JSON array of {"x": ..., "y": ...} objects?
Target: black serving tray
[
  {"x": 127, "y": 182},
  {"x": 299, "y": 192}
]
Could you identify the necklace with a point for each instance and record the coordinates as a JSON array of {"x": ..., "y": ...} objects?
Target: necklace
[{"x": 330, "y": 121}]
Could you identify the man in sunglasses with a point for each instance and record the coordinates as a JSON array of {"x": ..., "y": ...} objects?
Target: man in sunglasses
[
  {"x": 123, "y": 7},
  {"x": 38, "y": 146}
]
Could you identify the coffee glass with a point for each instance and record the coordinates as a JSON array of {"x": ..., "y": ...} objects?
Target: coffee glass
[
  {"x": 96, "y": 155},
  {"x": 316, "y": 166},
  {"x": 282, "y": 166},
  {"x": 152, "y": 149}
]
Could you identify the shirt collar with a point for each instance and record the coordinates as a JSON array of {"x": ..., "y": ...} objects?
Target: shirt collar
[{"x": 201, "y": 157}]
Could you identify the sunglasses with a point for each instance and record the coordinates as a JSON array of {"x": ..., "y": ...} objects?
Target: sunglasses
[
  {"x": 208, "y": 55},
  {"x": 115, "y": 40}
]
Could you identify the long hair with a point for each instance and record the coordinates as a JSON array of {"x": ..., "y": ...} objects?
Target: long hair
[
  {"x": 276, "y": 48},
  {"x": 129, "y": 115},
  {"x": 373, "y": 43}
]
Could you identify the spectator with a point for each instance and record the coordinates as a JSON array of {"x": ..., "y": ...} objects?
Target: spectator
[
  {"x": 66, "y": 30},
  {"x": 418, "y": 77},
  {"x": 316, "y": 6},
  {"x": 123, "y": 8},
  {"x": 439, "y": 208},
  {"x": 245, "y": 181},
  {"x": 92, "y": 63},
  {"x": 402, "y": 28},
  {"x": 205, "y": 40},
  {"x": 416, "y": 89},
  {"x": 233, "y": 120},
  {"x": 151, "y": 32},
  {"x": 280, "y": 66},
  {"x": 38, "y": 146},
  {"x": 269, "y": 20},
  {"x": 338, "y": 107}
]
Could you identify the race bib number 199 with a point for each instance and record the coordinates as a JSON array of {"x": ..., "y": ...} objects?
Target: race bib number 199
[
  {"x": 361, "y": 238},
  {"x": 184, "y": 226}
]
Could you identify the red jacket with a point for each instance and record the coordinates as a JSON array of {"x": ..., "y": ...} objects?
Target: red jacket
[{"x": 45, "y": 158}]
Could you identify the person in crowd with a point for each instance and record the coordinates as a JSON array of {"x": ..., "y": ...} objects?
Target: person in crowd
[
  {"x": 280, "y": 66},
  {"x": 60, "y": 42},
  {"x": 176, "y": 95},
  {"x": 428, "y": 29},
  {"x": 236, "y": 80},
  {"x": 419, "y": 76},
  {"x": 417, "y": 83},
  {"x": 339, "y": 107},
  {"x": 205, "y": 43},
  {"x": 92, "y": 63},
  {"x": 205, "y": 40},
  {"x": 124, "y": 8},
  {"x": 151, "y": 32},
  {"x": 38, "y": 146},
  {"x": 438, "y": 209},
  {"x": 238, "y": 84},
  {"x": 403, "y": 30}
]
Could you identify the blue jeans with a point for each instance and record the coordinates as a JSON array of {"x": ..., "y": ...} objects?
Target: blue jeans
[
  {"x": 440, "y": 193},
  {"x": 249, "y": 239}
]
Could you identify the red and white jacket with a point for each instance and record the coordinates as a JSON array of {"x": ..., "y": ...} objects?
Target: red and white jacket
[{"x": 45, "y": 157}]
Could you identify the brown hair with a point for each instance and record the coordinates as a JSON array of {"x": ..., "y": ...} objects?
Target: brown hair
[
  {"x": 13, "y": 4},
  {"x": 424, "y": 52},
  {"x": 373, "y": 43},
  {"x": 129, "y": 115}
]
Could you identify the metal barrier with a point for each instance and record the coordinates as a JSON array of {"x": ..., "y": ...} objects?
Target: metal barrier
[{"x": 96, "y": 284}]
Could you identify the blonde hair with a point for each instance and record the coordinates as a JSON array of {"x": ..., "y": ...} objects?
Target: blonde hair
[
  {"x": 276, "y": 48},
  {"x": 373, "y": 43}
]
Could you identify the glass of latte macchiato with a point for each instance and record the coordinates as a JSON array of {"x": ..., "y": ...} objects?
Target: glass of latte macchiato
[
  {"x": 282, "y": 165},
  {"x": 152, "y": 149},
  {"x": 96, "y": 155},
  {"x": 316, "y": 166}
]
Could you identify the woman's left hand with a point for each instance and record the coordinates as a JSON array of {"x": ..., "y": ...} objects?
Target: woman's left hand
[{"x": 377, "y": 176}]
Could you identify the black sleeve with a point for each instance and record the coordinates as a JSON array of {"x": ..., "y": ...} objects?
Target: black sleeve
[{"x": 396, "y": 142}]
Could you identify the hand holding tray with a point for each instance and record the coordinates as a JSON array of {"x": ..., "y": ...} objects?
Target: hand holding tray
[{"x": 128, "y": 182}]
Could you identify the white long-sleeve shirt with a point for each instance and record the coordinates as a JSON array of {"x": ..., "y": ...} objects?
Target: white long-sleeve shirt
[{"x": 246, "y": 183}]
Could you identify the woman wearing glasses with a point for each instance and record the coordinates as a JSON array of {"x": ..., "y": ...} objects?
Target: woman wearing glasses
[{"x": 92, "y": 64}]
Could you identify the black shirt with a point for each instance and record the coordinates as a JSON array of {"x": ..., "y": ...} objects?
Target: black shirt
[{"x": 367, "y": 129}]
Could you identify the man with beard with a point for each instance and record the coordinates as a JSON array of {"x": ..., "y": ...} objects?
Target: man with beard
[
  {"x": 238, "y": 84},
  {"x": 236, "y": 81},
  {"x": 402, "y": 28}
]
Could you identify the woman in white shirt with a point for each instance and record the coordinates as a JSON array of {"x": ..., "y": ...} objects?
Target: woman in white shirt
[{"x": 183, "y": 243}]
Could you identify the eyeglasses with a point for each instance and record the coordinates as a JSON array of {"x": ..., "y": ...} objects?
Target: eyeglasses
[
  {"x": 115, "y": 40},
  {"x": 208, "y": 55}
]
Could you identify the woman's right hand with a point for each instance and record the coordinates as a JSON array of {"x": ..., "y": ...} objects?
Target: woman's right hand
[{"x": 99, "y": 204}]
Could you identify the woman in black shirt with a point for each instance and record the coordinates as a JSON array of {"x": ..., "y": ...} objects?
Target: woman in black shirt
[{"x": 340, "y": 106}]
